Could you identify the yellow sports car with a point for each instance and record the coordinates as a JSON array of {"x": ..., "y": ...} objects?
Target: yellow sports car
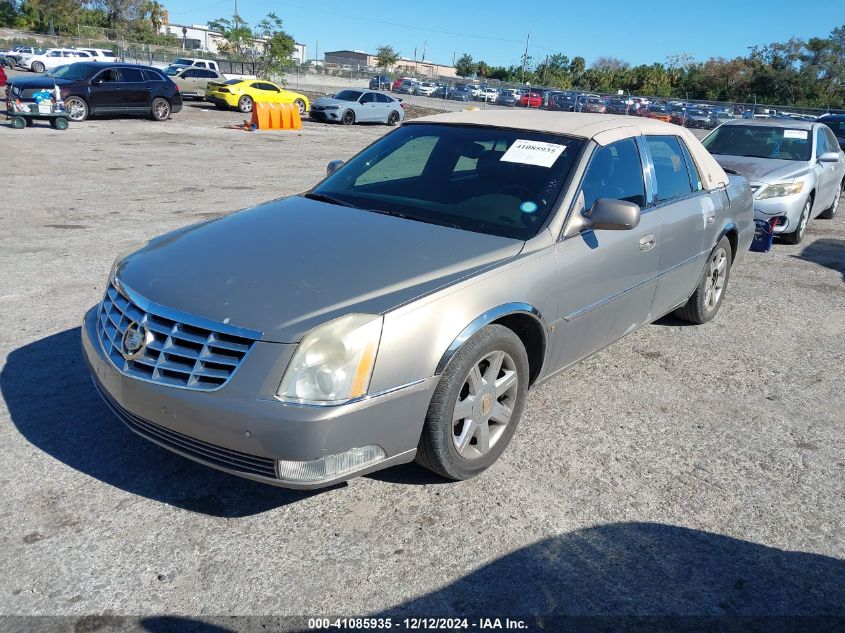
[{"x": 243, "y": 93}]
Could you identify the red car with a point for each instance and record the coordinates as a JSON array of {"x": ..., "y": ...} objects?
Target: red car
[
  {"x": 531, "y": 100},
  {"x": 2, "y": 77}
]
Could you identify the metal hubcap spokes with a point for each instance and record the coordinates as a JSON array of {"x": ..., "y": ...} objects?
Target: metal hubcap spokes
[
  {"x": 301, "y": 106},
  {"x": 162, "y": 110},
  {"x": 246, "y": 104},
  {"x": 715, "y": 283},
  {"x": 75, "y": 110},
  {"x": 485, "y": 405},
  {"x": 836, "y": 201}
]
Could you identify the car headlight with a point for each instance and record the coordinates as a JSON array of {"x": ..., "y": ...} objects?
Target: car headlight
[
  {"x": 334, "y": 362},
  {"x": 780, "y": 190}
]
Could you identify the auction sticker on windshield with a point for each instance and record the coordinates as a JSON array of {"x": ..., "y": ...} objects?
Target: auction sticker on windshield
[
  {"x": 802, "y": 134},
  {"x": 533, "y": 153}
]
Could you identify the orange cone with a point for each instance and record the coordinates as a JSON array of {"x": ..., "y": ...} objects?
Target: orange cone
[{"x": 275, "y": 116}]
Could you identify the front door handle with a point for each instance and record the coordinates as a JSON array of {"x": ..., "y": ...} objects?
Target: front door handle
[
  {"x": 647, "y": 242},
  {"x": 711, "y": 217}
]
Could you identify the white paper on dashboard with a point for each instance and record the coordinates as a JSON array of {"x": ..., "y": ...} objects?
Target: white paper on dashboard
[
  {"x": 802, "y": 134},
  {"x": 533, "y": 153}
]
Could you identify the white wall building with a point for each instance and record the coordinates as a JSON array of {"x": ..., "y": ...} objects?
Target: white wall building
[{"x": 199, "y": 37}]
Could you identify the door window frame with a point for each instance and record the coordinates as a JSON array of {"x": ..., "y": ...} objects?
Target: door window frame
[{"x": 656, "y": 202}]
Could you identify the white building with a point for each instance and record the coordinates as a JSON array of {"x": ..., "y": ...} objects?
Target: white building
[{"x": 194, "y": 37}]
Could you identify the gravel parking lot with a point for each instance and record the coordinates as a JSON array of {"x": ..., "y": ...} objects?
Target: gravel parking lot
[{"x": 682, "y": 471}]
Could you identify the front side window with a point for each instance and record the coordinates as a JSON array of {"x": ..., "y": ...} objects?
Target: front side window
[
  {"x": 615, "y": 171},
  {"x": 488, "y": 180},
  {"x": 108, "y": 76},
  {"x": 670, "y": 169}
]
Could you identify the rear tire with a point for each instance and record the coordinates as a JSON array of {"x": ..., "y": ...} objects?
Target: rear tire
[
  {"x": 160, "y": 109},
  {"x": 828, "y": 214},
  {"x": 797, "y": 236},
  {"x": 59, "y": 123},
  {"x": 245, "y": 104},
  {"x": 705, "y": 302},
  {"x": 18, "y": 122},
  {"x": 474, "y": 414},
  {"x": 393, "y": 118}
]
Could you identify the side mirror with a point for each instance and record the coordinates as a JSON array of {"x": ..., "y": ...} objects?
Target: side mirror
[
  {"x": 333, "y": 166},
  {"x": 829, "y": 157},
  {"x": 613, "y": 215}
]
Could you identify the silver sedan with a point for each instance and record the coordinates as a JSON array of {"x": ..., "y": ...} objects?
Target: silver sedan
[
  {"x": 796, "y": 169},
  {"x": 404, "y": 306},
  {"x": 358, "y": 106}
]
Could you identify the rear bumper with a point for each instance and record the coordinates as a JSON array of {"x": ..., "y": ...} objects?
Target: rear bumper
[
  {"x": 217, "y": 99},
  {"x": 231, "y": 431}
]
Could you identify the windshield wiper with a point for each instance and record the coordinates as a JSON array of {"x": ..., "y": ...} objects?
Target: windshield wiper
[
  {"x": 321, "y": 197},
  {"x": 414, "y": 218}
]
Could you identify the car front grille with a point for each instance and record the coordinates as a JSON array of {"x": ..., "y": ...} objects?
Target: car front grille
[
  {"x": 205, "y": 452},
  {"x": 174, "y": 352}
]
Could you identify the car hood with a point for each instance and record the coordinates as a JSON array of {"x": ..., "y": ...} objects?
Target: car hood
[
  {"x": 763, "y": 169},
  {"x": 329, "y": 101},
  {"x": 27, "y": 83},
  {"x": 284, "y": 267}
]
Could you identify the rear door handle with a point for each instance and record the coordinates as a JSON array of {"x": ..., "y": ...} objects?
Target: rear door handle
[{"x": 647, "y": 242}]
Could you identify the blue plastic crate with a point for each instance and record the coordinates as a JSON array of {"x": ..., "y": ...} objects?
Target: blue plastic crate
[{"x": 764, "y": 233}]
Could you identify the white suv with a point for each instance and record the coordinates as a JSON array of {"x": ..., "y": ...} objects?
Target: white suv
[
  {"x": 55, "y": 57},
  {"x": 100, "y": 54}
]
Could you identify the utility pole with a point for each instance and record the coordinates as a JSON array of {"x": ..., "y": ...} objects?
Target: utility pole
[
  {"x": 525, "y": 55},
  {"x": 236, "y": 10},
  {"x": 425, "y": 43}
]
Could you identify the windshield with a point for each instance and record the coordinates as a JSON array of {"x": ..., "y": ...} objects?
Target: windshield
[
  {"x": 488, "y": 180},
  {"x": 73, "y": 71},
  {"x": 172, "y": 70},
  {"x": 838, "y": 127},
  {"x": 759, "y": 142},
  {"x": 348, "y": 95},
  {"x": 183, "y": 61}
]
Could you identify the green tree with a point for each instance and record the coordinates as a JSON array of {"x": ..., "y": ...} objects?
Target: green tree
[
  {"x": 465, "y": 67},
  {"x": 482, "y": 69},
  {"x": 386, "y": 56},
  {"x": 268, "y": 46}
]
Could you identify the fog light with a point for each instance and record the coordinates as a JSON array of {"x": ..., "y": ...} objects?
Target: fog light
[{"x": 330, "y": 466}]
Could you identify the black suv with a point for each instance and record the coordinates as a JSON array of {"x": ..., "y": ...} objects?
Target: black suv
[
  {"x": 381, "y": 82},
  {"x": 93, "y": 88}
]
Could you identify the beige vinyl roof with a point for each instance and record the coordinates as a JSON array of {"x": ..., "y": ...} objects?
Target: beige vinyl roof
[{"x": 601, "y": 128}]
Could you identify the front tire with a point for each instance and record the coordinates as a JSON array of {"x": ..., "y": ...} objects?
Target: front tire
[
  {"x": 77, "y": 109},
  {"x": 797, "y": 236},
  {"x": 38, "y": 67},
  {"x": 245, "y": 104},
  {"x": 828, "y": 214},
  {"x": 160, "y": 109},
  {"x": 476, "y": 406},
  {"x": 300, "y": 104},
  {"x": 348, "y": 117},
  {"x": 705, "y": 302}
]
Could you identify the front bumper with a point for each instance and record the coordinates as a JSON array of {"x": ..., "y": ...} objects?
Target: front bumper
[
  {"x": 787, "y": 207},
  {"x": 241, "y": 430},
  {"x": 325, "y": 115}
]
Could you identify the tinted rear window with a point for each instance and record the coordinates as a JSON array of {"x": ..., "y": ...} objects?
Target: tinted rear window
[{"x": 131, "y": 74}]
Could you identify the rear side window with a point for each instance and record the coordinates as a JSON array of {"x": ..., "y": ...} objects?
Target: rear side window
[
  {"x": 692, "y": 169},
  {"x": 670, "y": 169},
  {"x": 132, "y": 75},
  {"x": 151, "y": 75},
  {"x": 368, "y": 98},
  {"x": 615, "y": 172},
  {"x": 382, "y": 98}
]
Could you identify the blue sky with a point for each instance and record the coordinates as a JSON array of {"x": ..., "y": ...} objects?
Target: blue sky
[{"x": 495, "y": 30}]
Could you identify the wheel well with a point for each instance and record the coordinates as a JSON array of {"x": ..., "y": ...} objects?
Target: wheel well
[
  {"x": 733, "y": 238},
  {"x": 530, "y": 332}
]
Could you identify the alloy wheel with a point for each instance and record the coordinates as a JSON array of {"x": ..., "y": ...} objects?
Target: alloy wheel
[
  {"x": 715, "y": 283},
  {"x": 802, "y": 223},
  {"x": 836, "y": 200},
  {"x": 161, "y": 109},
  {"x": 484, "y": 405},
  {"x": 76, "y": 109},
  {"x": 245, "y": 104}
]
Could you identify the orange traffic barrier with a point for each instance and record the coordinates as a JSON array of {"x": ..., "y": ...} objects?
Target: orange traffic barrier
[
  {"x": 276, "y": 116},
  {"x": 261, "y": 116}
]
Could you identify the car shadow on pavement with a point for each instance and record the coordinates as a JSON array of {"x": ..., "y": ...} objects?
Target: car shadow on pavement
[
  {"x": 632, "y": 577},
  {"x": 53, "y": 404},
  {"x": 826, "y": 252}
]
